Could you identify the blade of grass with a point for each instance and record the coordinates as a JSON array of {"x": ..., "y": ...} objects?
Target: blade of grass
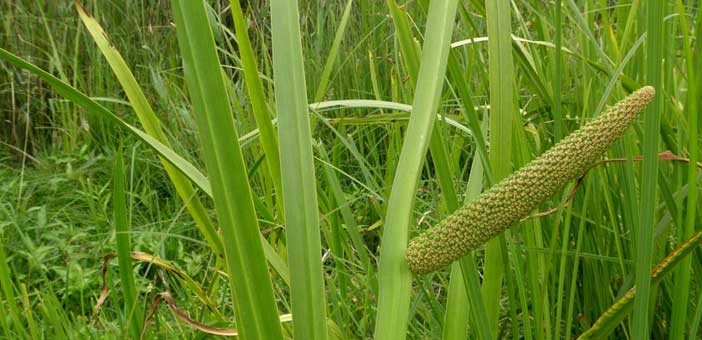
[
  {"x": 576, "y": 265},
  {"x": 502, "y": 109},
  {"x": 9, "y": 294},
  {"x": 299, "y": 180},
  {"x": 3, "y": 321},
  {"x": 628, "y": 83},
  {"x": 695, "y": 323},
  {"x": 532, "y": 72},
  {"x": 394, "y": 277},
  {"x": 350, "y": 241},
  {"x": 652, "y": 120},
  {"x": 698, "y": 87},
  {"x": 254, "y": 87},
  {"x": 681, "y": 292},
  {"x": 346, "y": 213},
  {"x": 557, "y": 66},
  {"x": 32, "y": 324},
  {"x": 457, "y": 77},
  {"x": 124, "y": 248},
  {"x": 582, "y": 24},
  {"x": 333, "y": 53},
  {"x": 252, "y": 290}
]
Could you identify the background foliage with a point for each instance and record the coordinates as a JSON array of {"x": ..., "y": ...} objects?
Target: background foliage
[{"x": 547, "y": 278}]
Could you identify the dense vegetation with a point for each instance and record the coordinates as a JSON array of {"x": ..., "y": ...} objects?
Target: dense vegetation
[{"x": 336, "y": 173}]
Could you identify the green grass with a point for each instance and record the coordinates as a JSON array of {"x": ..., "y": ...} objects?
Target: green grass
[
  {"x": 502, "y": 111},
  {"x": 133, "y": 314},
  {"x": 181, "y": 129},
  {"x": 652, "y": 121}
]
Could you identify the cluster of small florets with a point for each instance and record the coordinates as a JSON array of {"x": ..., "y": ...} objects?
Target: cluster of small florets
[{"x": 518, "y": 194}]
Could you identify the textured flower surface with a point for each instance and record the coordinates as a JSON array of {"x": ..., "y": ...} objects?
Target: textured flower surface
[{"x": 517, "y": 195}]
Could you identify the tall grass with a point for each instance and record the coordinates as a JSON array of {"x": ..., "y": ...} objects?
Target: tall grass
[
  {"x": 652, "y": 120},
  {"x": 270, "y": 209},
  {"x": 683, "y": 275},
  {"x": 123, "y": 244},
  {"x": 502, "y": 110}
]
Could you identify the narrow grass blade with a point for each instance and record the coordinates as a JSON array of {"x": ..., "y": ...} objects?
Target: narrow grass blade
[
  {"x": 9, "y": 294},
  {"x": 346, "y": 213},
  {"x": 460, "y": 82},
  {"x": 333, "y": 53},
  {"x": 502, "y": 109},
  {"x": 557, "y": 66},
  {"x": 394, "y": 277},
  {"x": 32, "y": 324},
  {"x": 299, "y": 180},
  {"x": 652, "y": 120},
  {"x": 254, "y": 87},
  {"x": 681, "y": 292},
  {"x": 122, "y": 237},
  {"x": 152, "y": 126},
  {"x": 532, "y": 73},
  {"x": 252, "y": 290},
  {"x": 582, "y": 24},
  {"x": 454, "y": 321},
  {"x": 3, "y": 321}
]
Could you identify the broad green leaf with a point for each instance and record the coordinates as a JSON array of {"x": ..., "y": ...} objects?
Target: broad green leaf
[
  {"x": 394, "y": 277},
  {"x": 304, "y": 245}
]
